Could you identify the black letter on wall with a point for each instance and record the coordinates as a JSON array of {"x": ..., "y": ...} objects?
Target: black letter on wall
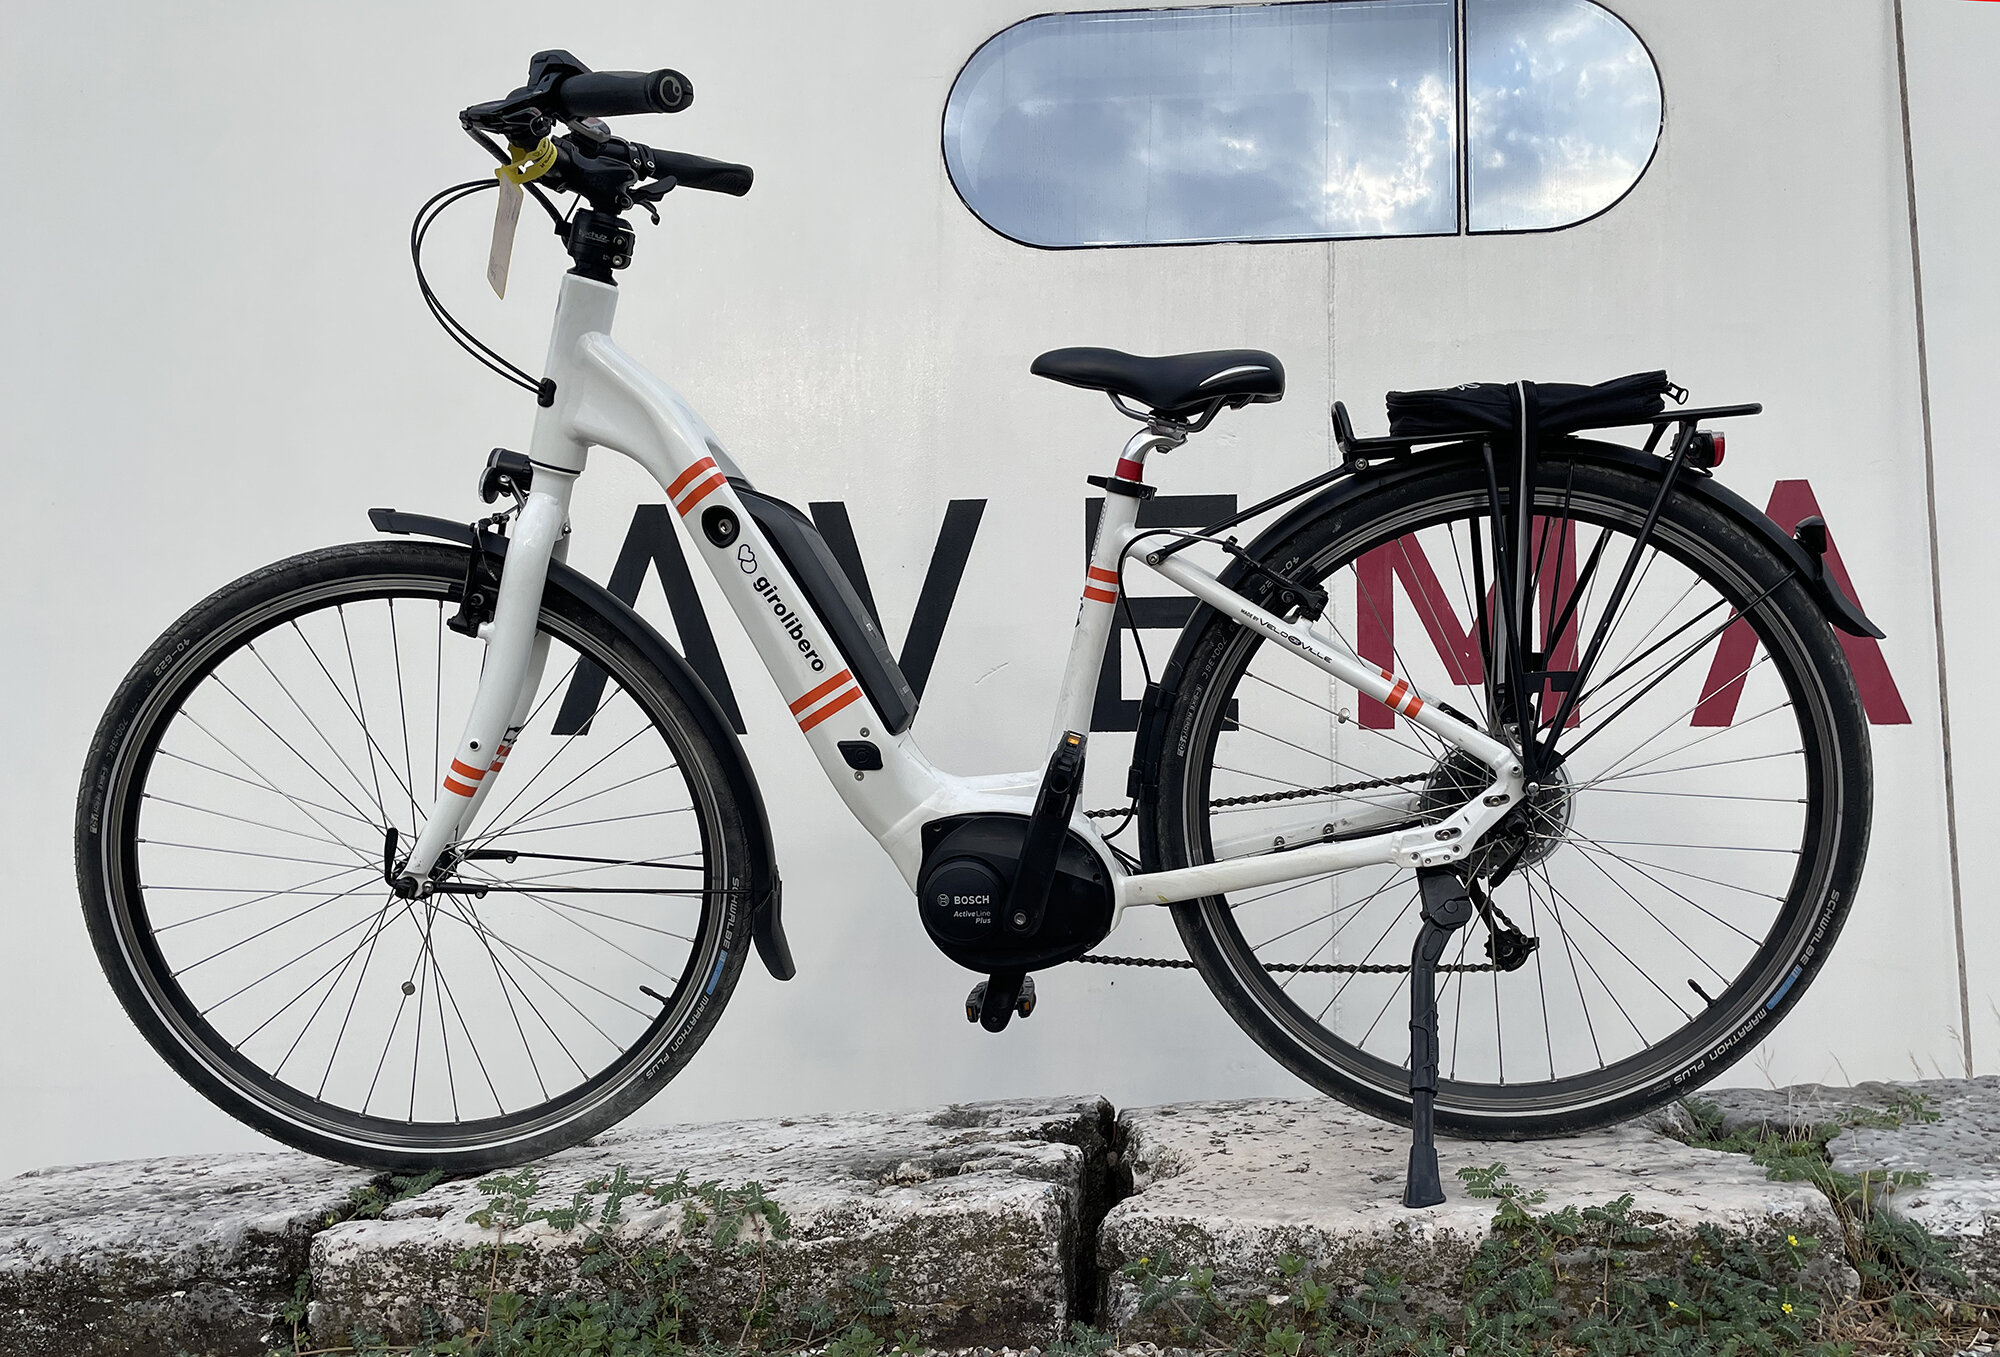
[
  {"x": 940, "y": 591},
  {"x": 1114, "y": 711}
]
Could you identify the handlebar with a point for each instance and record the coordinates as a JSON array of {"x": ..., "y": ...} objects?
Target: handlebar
[
  {"x": 612, "y": 94},
  {"x": 603, "y": 168},
  {"x": 694, "y": 171}
]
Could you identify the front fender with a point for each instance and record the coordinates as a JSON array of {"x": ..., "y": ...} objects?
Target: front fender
[{"x": 766, "y": 924}]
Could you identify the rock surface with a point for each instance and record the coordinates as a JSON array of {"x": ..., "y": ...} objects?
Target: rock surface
[
  {"x": 978, "y": 1213},
  {"x": 153, "y": 1257},
  {"x": 1235, "y": 1186},
  {"x": 1946, "y": 1129}
]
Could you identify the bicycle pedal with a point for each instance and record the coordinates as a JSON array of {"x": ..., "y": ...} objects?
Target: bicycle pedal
[{"x": 995, "y": 1000}]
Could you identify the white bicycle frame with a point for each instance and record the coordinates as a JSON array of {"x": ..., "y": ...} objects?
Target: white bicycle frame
[{"x": 603, "y": 397}]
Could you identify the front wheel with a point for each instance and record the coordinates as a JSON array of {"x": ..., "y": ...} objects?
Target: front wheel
[
  {"x": 238, "y": 821},
  {"x": 1664, "y": 897}
]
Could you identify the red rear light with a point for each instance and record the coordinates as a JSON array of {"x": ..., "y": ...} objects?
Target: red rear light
[{"x": 1720, "y": 446}]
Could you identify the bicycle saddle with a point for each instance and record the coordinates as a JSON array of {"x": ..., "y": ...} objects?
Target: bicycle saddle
[{"x": 1176, "y": 385}]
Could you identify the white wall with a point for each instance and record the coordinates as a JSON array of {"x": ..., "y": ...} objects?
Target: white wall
[
  {"x": 1954, "y": 105},
  {"x": 214, "y": 356}
]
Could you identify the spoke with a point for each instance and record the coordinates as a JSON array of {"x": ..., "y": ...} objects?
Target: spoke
[
  {"x": 375, "y": 926},
  {"x": 1577, "y": 951},
  {"x": 331, "y": 990},
  {"x": 403, "y": 715},
  {"x": 1703, "y": 796},
  {"x": 316, "y": 727},
  {"x": 1590, "y": 853},
  {"x": 1622, "y": 763},
  {"x": 359, "y": 886},
  {"x": 1324, "y": 918},
  {"x": 359, "y": 813},
  {"x": 286, "y": 965},
  {"x": 385, "y": 918},
  {"x": 1365, "y": 594},
  {"x": 1570, "y": 953},
  {"x": 241, "y": 853},
  {"x": 500, "y": 978},
  {"x": 1658, "y": 678},
  {"x": 1387, "y": 737},
  {"x": 1648, "y": 911},
  {"x": 528, "y": 962},
  {"x": 612, "y": 918},
  {"x": 1661, "y": 866},
  {"x": 607, "y": 820},
  {"x": 612, "y": 694},
  {"x": 297, "y": 804},
  {"x": 1394, "y": 919},
  {"x": 360, "y": 708},
  {"x": 592, "y": 796},
  {"x": 1541, "y": 979},
  {"x": 1686, "y": 767},
  {"x": 302, "y": 888},
  {"x": 243, "y": 820},
  {"x": 1664, "y": 992},
  {"x": 261, "y": 786}
]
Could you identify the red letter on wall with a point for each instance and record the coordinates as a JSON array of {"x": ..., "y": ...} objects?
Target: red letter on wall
[{"x": 1790, "y": 502}]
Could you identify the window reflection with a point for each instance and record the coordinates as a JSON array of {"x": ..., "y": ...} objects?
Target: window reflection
[
  {"x": 1301, "y": 121},
  {"x": 1248, "y": 122},
  {"x": 1564, "y": 111}
]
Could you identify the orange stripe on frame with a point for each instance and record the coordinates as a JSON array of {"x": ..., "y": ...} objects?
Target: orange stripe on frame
[
  {"x": 701, "y": 492},
  {"x": 1096, "y": 595},
  {"x": 468, "y": 773},
  {"x": 1109, "y": 577},
  {"x": 452, "y": 784},
  {"x": 845, "y": 699},
  {"x": 816, "y": 694},
  {"x": 1416, "y": 704},
  {"x": 1396, "y": 695},
  {"x": 688, "y": 477}
]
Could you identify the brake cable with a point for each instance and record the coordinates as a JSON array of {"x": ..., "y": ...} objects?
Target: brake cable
[{"x": 428, "y": 214}]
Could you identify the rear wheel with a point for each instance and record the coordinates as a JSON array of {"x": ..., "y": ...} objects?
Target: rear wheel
[
  {"x": 1683, "y": 872},
  {"x": 231, "y": 836}
]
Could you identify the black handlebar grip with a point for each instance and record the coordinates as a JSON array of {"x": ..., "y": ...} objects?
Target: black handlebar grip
[
  {"x": 694, "y": 171},
  {"x": 612, "y": 94}
]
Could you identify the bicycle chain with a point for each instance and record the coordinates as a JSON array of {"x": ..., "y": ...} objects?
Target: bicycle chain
[
  {"x": 1292, "y": 967},
  {"x": 1300, "y": 968},
  {"x": 1297, "y": 794}
]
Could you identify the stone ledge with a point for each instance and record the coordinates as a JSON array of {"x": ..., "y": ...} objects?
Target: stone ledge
[
  {"x": 1959, "y": 1152},
  {"x": 156, "y": 1256},
  {"x": 987, "y": 1215},
  {"x": 1235, "y": 1186},
  {"x": 979, "y": 1213}
]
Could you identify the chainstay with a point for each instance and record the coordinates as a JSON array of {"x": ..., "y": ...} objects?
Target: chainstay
[
  {"x": 1293, "y": 967},
  {"x": 1296, "y": 794}
]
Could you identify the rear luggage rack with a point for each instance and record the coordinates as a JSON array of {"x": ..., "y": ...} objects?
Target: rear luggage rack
[{"x": 1355, "y": 451}]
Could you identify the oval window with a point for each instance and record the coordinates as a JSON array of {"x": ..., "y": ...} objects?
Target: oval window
[
  {"x": 1564, "y": 105},
  {"x": 1311, "y": 121}
]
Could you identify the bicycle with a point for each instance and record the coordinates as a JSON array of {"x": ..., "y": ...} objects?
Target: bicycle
[{"x": 482, "y": 969}]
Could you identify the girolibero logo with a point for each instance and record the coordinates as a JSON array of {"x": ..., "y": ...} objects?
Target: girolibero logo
[{"x": 788, "y": 618}]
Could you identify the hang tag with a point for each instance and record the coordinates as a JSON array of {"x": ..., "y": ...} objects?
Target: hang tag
[{"x": 506, "y": 216}]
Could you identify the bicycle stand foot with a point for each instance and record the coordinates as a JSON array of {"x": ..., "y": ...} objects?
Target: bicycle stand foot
[{"x": 1447, "y": 908}]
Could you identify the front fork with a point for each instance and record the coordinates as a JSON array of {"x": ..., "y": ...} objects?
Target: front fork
[{"x": 516, "y": 651}]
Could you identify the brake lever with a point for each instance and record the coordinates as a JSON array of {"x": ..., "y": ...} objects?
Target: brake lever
[{"x": 645, "y": 195}]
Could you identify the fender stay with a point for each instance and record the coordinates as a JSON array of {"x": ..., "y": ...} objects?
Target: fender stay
[{"x": 766, "y": 924}]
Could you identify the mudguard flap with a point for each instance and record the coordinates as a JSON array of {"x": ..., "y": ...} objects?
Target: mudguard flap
[{"x": 766, "y": 923}]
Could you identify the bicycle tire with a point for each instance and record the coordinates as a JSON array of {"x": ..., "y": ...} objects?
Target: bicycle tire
[
  {"x": 1206, "y": 682},
  {"x": 157, "y": 767}
]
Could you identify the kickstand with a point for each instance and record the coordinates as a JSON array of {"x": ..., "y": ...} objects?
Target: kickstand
[{"x": 1447, "y": 908}]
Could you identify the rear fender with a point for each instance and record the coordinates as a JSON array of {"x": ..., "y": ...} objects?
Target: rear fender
[{"x": 766, "y": 925}]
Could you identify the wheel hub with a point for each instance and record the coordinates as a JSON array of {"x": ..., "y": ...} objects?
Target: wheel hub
[{"x": 1531, "y": 831}]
